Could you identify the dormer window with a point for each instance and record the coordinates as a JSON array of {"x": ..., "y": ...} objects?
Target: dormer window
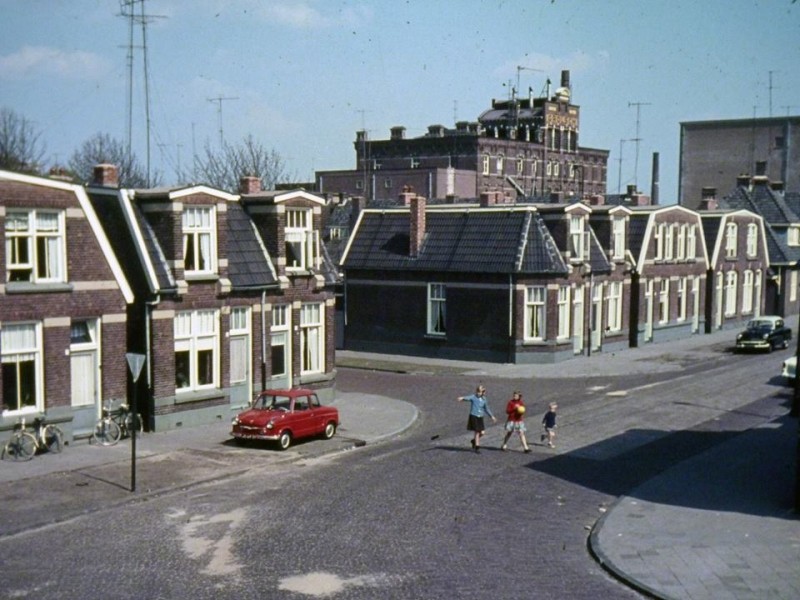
[
  {"x": 731, "y": 233},
  {"x": 35, "y": 246},
  {"x": 199, "y": 239},
  {"x": 578, "y": 240},
  {"x": 752, "y": 240},
  {"x": 619, "y": 237},
  {"x": 302, "y": 242},
  {"x": 794, "y": 236}
]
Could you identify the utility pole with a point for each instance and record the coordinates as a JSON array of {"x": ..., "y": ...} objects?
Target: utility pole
[
  {"x": 637, "y": 139},
  {"x": 770, "y": 91},
  {"x": 619, "y": 175},
  {"x": 219, "y": 100}
]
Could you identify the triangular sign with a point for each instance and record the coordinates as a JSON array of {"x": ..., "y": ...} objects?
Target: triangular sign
[{"x": 135, "y": 364}]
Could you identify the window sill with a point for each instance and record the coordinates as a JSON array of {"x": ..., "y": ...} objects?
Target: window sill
[
  {"x": 26, "y": 287},
  {"x": 185, "y": 397},
  {"x": 197, "y": 277},
  {"x": 439, "y": 337}
]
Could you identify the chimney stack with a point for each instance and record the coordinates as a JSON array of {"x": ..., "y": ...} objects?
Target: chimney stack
[
  {"x": 417, "y": 225},
  {"x": 406, "y": 195},
  {"x": 709, "y": 199},
  {"x": 743, "y": 180},
  {"x": 105, "y": 175},
  {"x": 249, "y": 184},
  {"x": 654, "y": 184}
]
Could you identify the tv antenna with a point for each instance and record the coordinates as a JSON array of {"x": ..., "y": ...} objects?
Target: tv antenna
[
  {"x": 219, "y": 100},
  {"x": 637, "y": 139}
]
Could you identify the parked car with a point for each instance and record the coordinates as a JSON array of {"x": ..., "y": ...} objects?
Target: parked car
[
  {"x": 283, "y": 416},
  {"x": 789, "y": 369},
  {"x": 764, "y": 333}
]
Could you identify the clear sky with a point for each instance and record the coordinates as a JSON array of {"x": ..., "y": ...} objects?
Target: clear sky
[{"x": 302, "y": 76}]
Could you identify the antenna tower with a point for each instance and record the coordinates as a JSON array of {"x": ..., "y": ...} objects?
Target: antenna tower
[
  {"x": 637, "y": 139},
  {"x": 128, "y": 11}
]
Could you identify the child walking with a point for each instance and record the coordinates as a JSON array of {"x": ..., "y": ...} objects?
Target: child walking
[
  {"x": 478, "y": 407},
  {"x": 515, "y": 409},
  {"x": 549, "y": 422}
]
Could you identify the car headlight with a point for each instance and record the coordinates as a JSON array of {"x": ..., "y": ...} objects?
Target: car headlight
[
  {"x": 235, "y": 421},
  {"x": 270, "y": 425},
  {"x": 738, "y": 337},
  {"x": 765, "y": 336}
]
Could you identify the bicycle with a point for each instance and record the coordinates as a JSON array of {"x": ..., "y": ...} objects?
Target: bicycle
[
  {"x": 116, "y": 424},
  {"x": 22, "y": 445}
]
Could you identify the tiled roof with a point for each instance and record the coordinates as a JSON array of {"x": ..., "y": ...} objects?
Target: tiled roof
[
  {"x": 711, "y": 225},
  {"x": 249, "y": 264},
  {"x": 761, "y": 200},
  {"x": 637, "y": 228},
  {"x": 464, "y": 240}
]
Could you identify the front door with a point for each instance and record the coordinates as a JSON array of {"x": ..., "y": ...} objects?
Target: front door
[
  {"x": 86, "y": 401},
  {"x": 280, "y": 348},
  {"x": 597, "y": 317}
]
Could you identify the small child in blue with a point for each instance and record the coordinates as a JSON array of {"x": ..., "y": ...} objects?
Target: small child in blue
[
  {"x": 549, "y": 423},
  {"x": 478, "y": 406}
]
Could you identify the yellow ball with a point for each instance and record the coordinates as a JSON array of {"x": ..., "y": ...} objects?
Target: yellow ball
[{"x": 521, "y": 409}]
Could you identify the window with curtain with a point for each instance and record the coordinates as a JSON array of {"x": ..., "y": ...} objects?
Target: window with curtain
[
  {"x": 279, "y": 340},
  {"x": 35, "y": 246},
  {"x": 312, "y": 338},
  {"x": 196, "y": 350},
  {"x": 752, "y": 239},
  {"x": 619, "y": 237},
  {"x": 563, "y": 311},
  {"x": 437, "y": 309},
  {"x": 22, "y": 363},
  {"x": 199, "y": 239},
  {"x": 535, "y": 312},
  {"x": 730, "y": 293},
  {"x": 302, "y": 242},
  {"x": 239, "y": 344},
  {"x": 614, "y": 306},
  {"x": 731, "y": 233},
  {"x": 747, "y": 292},
  {"x": 663, "y": 302}
]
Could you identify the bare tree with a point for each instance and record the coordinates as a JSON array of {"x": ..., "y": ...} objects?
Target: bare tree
[
  {"x": 102, "y": 148},
  {"x": 20, "y": 146},
  {"x": 222, "y": 168}
]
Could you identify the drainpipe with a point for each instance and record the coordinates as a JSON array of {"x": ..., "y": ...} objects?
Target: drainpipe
[
  {"x": 591, "y": 315},
  {"x": 510, "y": 319},
  {"x": 263, "y": 340},
  {"x": 149, "y": 305}
]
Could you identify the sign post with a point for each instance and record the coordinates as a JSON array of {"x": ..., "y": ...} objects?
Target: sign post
[{"x": 135, "y": 364}]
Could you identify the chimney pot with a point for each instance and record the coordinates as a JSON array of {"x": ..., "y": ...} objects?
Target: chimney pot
[{"x": 249, "y": 184}]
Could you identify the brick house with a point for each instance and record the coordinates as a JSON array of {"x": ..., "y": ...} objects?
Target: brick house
[
  {"x": 217, "y": 313},
  {"x": 63, "y": 306},
  {"x": 738, "y": 266},
  {"x": 669, "y": 274},
  {"x": 498, "y": 282}
]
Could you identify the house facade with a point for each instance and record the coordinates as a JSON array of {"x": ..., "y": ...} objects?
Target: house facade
[
  {"x": 220, "y": 313},
  {"x": 63, "y": 306}
]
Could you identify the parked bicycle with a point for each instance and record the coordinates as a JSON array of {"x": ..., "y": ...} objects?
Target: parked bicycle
[
  {"x": 116, "y": 424},
  {"x": 23, "y": 444}
]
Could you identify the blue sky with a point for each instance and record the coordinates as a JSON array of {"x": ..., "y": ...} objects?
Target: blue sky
[{"x": 302, "y": 76}]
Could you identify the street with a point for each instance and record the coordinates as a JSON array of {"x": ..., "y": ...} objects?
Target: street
[{"x": 418, "y": 516}]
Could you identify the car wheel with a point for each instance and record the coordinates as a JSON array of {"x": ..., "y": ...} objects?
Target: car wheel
[
  {"x": 330, "y": 430},
  {"x": 285, "y": 440}
]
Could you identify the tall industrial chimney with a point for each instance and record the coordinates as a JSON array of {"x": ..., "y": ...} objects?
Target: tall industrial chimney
[{"x": 654, "y": 182}]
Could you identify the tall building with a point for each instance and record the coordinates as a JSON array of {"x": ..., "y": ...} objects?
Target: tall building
[
  {"x": 524, "y": 147},
  {"x": 714, "y": 153}
]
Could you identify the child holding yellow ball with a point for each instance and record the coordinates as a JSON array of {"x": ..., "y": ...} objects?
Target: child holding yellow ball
[{"x": 515, "y": 409}]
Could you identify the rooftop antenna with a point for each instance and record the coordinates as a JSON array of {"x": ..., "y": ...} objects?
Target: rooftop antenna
[
  {"x": 770, "y": 91},
  {"x": 788, "y": 108},
  {"x": 219, "y": 100},
  {"x": 364, "y": 162},
  {"x": 128, "y": 10},
  {"x": 521, "y": 68},
  {"x": 637, "y": 139}
]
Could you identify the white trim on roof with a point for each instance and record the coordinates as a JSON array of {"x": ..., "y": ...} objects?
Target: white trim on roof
[
  {"x": 295, "y": 194},
  {"x": 202, "y": 189},
  {"x": 141, "y": 247}
]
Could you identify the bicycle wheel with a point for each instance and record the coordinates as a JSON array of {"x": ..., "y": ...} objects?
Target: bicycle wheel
[
  {"x": 53, "y": 438},
  {"x": 106, "y": 432},
  {"x": 132, "y": 422},
  {"x": 21, "y": 446}
]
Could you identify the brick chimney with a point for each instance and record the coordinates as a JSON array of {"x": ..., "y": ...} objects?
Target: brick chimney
[
  {"x": 417, "y": 225},
  {"x": 105, "y": 175},
  {"x": 597, "y": 200},
  {"x": 776, "y": 186},
  {"x": 406, "y": 195},
  {"x": 708, "y": 199},
  {"x": 743, "y": 180},
  {"x": 249, "y": 184}
]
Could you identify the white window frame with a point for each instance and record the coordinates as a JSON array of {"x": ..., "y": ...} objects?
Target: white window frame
[
  {"x": 730, "y": 293},
  {"x": 197, "y": 333},
  {"x": 614, "y": 304},
  {"x": 302, "y": 239},
  {"x": 312, "y": 338},
  {"x": 485, "y": 164},
  {"x": 747, "y": 292},
  {"x": 437, "y": 309},
  {"x": 279, "y": 337},
  {"x": 663, "y": 302},
  {"x": 659, "y": 234},
  {"x": 792, "y": 286},
  {"x": 618, "y": 232},
  {"x": 669, "y": 241},
  {"x": 681, "y": 245},
  {"x": 36, "y": 249},
  {"x": 199, "y": 228},
  {"x": 793, "y": 235},
  {"x": 576, "y": 238},
  {"x": 691, "y": 242},
  {"x": 20, "y": 344},
  {"x": 564, "y": 312},
  {"x": 520, "y": 165},
  {"x": 535, "y": 313},
  {"x": 683, "y": 288},
  {"x": 752, "y": 240},
  {"x": 731, "y": 242},
  {"x": 500, "y": 163}
]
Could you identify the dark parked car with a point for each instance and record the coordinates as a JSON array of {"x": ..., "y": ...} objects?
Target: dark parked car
[
  {"x": 285, "y": 415},
  {"x": 764, "y": 333}
]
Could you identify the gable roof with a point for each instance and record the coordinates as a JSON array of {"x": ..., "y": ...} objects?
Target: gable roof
[
  {"x": 461, "y": 240},
  {"x": 91, "y": 216},
  {"x": 762, "y": 200},
  {"x": 249, "y": 264}
]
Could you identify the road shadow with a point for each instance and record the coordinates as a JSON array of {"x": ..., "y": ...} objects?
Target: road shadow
[{"x": 742, "y": 470}]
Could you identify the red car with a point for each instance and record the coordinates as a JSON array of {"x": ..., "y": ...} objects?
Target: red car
[{"x": 285, "y": 415}]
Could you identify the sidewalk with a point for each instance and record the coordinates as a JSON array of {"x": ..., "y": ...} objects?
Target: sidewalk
[{"x": 718, "y": 526}]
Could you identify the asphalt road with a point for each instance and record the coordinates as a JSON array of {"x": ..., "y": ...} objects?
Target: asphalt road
[{"x": 417, "y": 517}]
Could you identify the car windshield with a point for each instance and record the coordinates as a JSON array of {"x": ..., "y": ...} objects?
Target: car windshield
[
  {"x": 756, "y": 324},
  {"x": 270, "y": 402}
]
